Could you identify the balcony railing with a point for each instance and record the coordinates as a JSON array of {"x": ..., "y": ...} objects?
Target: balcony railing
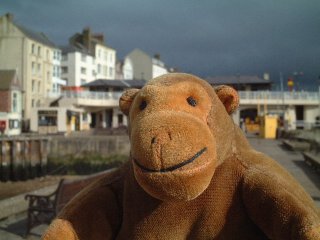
[
  {"x": 90, "y": 95},
  {"x": 274, "y": 95},
  {"x": 246, "y": 97}
]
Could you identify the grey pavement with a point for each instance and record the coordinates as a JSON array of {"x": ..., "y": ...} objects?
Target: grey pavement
[
  {"x": 14, "y": 227},
  {"x": 293, "y": 162}
]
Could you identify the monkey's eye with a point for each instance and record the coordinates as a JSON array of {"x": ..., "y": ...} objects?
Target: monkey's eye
[
  {"x": 191, "y": 101},
  {"x": 143, "y": 105}
]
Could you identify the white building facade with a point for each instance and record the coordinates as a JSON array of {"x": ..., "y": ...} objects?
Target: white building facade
[
  {"x": 139, "y": 65},
  {"x": 87, "y": 58},
  {"x": 57, "y": 81},
  {"x": 105, "y": 62},
  {"x": 77, "y": 68},
  {"x": 158, "y": 68}
]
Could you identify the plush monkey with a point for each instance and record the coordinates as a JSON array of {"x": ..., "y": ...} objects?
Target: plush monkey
[{"x": 191, "y": 175}]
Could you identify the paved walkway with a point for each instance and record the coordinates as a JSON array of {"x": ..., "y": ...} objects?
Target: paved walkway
[
  {"x": 14, "y": 228},
  {"x": 293, "y": 162}
]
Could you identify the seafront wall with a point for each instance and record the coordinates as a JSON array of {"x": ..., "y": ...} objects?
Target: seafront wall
[
  {"x": 94, "y": 144},
  {"x": 23, "y": 158}
]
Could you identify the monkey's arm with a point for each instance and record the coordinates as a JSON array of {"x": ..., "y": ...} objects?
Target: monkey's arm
[
  {"x": 92, "y": 214},
  {"x": 279, "y": 205}
]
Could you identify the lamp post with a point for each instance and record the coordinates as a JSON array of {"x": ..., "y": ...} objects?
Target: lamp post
[
  {"x": 318, "y": 118},
  {"x": 297, "y": 76},
  {"x": 282, "y": 95}
]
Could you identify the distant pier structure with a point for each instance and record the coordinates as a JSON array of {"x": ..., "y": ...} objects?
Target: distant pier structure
[
  {"x": 296, "y": 109},
  {"x": 97, "y": 105},
  {"x": 23, "y": 158}
]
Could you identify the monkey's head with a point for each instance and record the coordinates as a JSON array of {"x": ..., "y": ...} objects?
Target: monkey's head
[{"x": 179, "y": 129}]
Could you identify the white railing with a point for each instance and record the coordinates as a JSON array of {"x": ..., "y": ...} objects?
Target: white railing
[
  {"x": 246, "y": 97},
  {"x": 273, "y": 95},
  {"x": 90, "y": 95},
  {"x": 279, "y": 98}
]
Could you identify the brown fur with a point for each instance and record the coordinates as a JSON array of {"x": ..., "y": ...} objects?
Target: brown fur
[{"x": 228, "y": 191}]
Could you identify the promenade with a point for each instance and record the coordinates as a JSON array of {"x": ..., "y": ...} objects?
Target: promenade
[{"x": 13, "y": 229}]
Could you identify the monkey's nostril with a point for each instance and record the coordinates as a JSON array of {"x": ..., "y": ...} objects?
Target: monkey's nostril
[{"x": 153, "y": 140}]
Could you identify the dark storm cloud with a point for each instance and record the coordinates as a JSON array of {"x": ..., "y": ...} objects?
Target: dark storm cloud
[{"x": 208, "y": 37}]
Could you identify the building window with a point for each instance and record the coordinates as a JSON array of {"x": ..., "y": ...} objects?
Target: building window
[
  {"x": 39, "y": 86},
  {"x": 110, "y": 71},
  {"x": 54, "y": 88},
  {"x": 14, "y": 123},
  {"x": 39, "y": 51},
  {"x": 47, "y": 118},
  {"x": 64, "y": 70},
  {"x": 33, "y": 48},
  {"x": 83, "y": 70},
  {"x": 39, "y": 69},
  {"x": 83, "y": 57},
  {"x": 38, "y": 103},
  {"x": 54, "y": 71},
  {"x": 83, "y": 81},
  {"x": 58, "y": 55},
  {"x": 85, "y": 117},
  {"x": 33, "y": 85},
  {"x": 33, "y": 67},
  {"x": 64, "y": 57},
  {"x": 32, "y": 103},
  {"x": 99, "y": 69},
  {"x": 105, "y": 70},
  {"x": 14, "y": 102}
]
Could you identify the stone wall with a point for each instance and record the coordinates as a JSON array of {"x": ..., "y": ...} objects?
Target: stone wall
[{"x": 82, "y": 145}]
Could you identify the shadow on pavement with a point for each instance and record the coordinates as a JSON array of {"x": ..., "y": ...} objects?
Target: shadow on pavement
[
  {"x": 17, "y": 228},
  {"x": 288, "y": 150},
  {"x": 311, "y": 173}
]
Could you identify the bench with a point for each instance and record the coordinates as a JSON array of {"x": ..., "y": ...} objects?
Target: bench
[
  {"x": 44, "y": 208},
  {"x": 312, "y": 157},
  {"x": 296, "y": 145}
]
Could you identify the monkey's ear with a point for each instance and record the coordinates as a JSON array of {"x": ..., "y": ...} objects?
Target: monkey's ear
[
  {"x": 229, "y": 97},
  {"x": 126, "y": 100}
]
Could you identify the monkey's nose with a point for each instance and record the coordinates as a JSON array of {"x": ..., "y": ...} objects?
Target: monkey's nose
[
  {"x": 161, "y": 138},
  {"x": 153, "y": 140}
]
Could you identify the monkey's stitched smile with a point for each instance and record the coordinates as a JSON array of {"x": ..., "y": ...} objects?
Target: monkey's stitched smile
[{"x": 174, "y": 167}]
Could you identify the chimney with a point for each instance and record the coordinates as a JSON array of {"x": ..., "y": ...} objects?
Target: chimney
[
  {"x": 99, "y": 37},
  {"x": 86, "y": 38},
  {"x": 157, "y": 56}
]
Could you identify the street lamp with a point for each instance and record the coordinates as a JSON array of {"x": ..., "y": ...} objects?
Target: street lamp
[
  {"x": 318, "y": 117},
  {"x": 297, "y": 76}
]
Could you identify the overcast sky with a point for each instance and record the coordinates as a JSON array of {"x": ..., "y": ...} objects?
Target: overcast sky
[{"x": 206, "y": 38}]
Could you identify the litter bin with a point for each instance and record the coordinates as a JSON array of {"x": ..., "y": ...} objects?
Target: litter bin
[{"x": 268, "y": 126}]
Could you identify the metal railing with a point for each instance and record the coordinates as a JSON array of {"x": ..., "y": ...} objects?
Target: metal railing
[
  {"x": 92, "y": 95},
  {"x": 276, "y": 95},
  {"x": 251, "y": 96}
]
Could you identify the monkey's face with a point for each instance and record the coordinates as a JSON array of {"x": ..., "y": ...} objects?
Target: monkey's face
[{"x": 173, "y": 150}]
